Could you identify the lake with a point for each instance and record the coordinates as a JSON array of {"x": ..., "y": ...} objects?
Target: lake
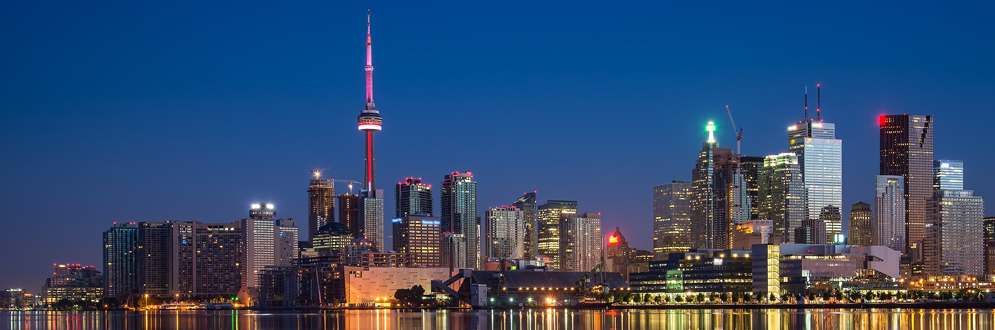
[{"x": 835, "y": 319}]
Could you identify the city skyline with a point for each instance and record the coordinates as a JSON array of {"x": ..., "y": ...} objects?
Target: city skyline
[{"x": 132, "y": 136}]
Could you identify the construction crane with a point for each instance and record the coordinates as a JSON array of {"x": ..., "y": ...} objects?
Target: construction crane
[
  {"x": 317, "y": 174},
  {"x": 738, "y": 207}
]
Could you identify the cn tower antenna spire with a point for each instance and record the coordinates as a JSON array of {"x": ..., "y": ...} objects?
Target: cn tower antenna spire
[
  {"x": 369, "y": 119},
  {"x": 369, "y": 65}
]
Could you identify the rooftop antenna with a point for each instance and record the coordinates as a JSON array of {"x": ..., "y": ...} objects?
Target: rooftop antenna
[
  {"x": 806, "y": 103},
  {"x": 818, "y": 101}
]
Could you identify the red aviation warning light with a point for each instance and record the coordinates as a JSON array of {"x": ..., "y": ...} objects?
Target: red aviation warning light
[{"x": 882, "y": 120}]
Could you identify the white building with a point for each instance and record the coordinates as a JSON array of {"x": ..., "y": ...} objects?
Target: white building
[
  {"x": 580, "y": 242},
  {"x": 505, "y": 233},
  {"x": 820, "y": 157},
  {"x": 960, "y": 216},
  {"x": 371, "y": 209},
  {"x": 889, "y": 211}
]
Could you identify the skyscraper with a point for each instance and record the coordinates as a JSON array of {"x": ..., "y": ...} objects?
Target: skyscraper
[
  {"x": 459, "y": 214},
  {"x": 370, "y": 121},
  {"x": 861, "y": 226},
  {"x": 820, "y": 157},
  {"x": 320, "y": 203},
  {"x": 549, "y": 216},
  {"x": 412, "y": 197},
  {"x": 989, "y": 241},
  {"x": 957, "y": 226},
  {"x": 349, "y": 213},
  {"x": 750, "y": 167},
  {"x": 581, "y": 241},
  {"x": 285, "y": 242},
  {"x": 833, "y": 220},
  {"x": 781, "y": 195},
  {"x": 121, "y": 261},
  {"x": 948, "y": 175},
  {"x": 505, "y": 234},
  {"x": 889, "y": 211},
  {"x": 527, "y": 203},
  {"x": 153, "y": 258},
  {"x": 258, "y": 236},
  {"x": 671, "y": 218},
  {"x": 712, "y": 198},
  {"x": 907, "y": 151},
  {"x": 419, "y": 235}
]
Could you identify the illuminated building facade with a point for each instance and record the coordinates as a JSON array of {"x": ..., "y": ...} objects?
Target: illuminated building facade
[
  {"x": 580, "y": 241},
  {"x": 258, "y": 235},
  {"x": 459, "y": 215},
  {"x": 74, "y": 283},
  {"x": 907, "y": 151},
  {"x": 671, "y": 218},
  {"x": 420, "y": 236},
  {"x": 332, "y": 240},
  {"x": 832, "y": 219},
  {"x": 781, "y": 195},
  {"x": 989, "y": 241},
  {"x": 712, "y": 197},
  {"x": 948, "y": 175},
  {"x": 750, "y": 167},
  {"x": 121, "y": 261},
  {"x": 372, "y": 214},
  {"x": 505, "y": 234},
  {"x": 861, "y": 231},
  {"x": 549, "y": 216},
  {"x": 320, "y": 203},
  {"x": 527, "y": 203},
  {"x": 820, "y": 158},
  {"x": 957, "y": 228},
  {"x": 889, "y": 211},
  {"x": 412, "y": 197}
]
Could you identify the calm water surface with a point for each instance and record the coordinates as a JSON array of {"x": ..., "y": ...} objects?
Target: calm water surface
[{"x": 512, "y": 319}]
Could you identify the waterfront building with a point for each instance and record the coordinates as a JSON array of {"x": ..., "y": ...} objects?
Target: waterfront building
[
  {"x": 121, "y": 261},
  {"x": 505, "y": 234},
  {"x": 411, "y": 196},
  {"x": 712, "y": 195},
  {"x": 527, "y": 203},
  {"x": 820, "y": 157},
  {"x": 580, "y": 241},
  {"x": 956, "y": 229},
  {"x": 349, "y": 213},
  {"x": 459, "y": 216},
  {"x": 989, "y": 241},
  {"x": 74, "y": 283},
  {"x": 948, "y": 175},
  {"x": 890, "y": 212},
  {"x": 781, "y": 196},
  {"x": 907, "y": 150},
  {"x": 419, "y": 235},
  {"x": 258, "y": 237},
  {"x": 153, "y": 258},
  {"x": 671, "y": 218},
  {"x": 549, "y": 216},
  {"x": 861, "y": 226},
  {"x": 698, "y": 270},
  {"x": 320, "y": 202}
]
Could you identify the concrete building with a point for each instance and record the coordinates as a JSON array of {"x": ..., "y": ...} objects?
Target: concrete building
[
  {"x": 411, "y": 197},
  {"x": 372, "y": 284},
  {"x": 907, "y": 151},
  {"x": 454, "y": 251},
  {"x": 320, "y": 203},
  {"x": 890, "y": 212},
  {"x": 459, "y": 216},
  {"x": 580, "y": 242},
  {"x": 505, "y": 234},
  {"x": 781, "y": 195},
  {"x": 285, "y": 241},
  {"x": 671, "y": 218},
  {"x": 861, "y": 227},
  {"x": 549, "y": 218},
  {"x": 74, "y": 283},
  {"x": 258, "y": 238},
  {"x": 958, "y": 234},
  {"x": 421, "y": 236},
  {"x": 527, "y": 203},
  {"x": 372, "y": 212},
  {"x": 752, "y": 232}
]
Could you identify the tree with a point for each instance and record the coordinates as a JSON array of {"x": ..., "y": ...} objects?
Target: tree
[
  {"x": 402, "y": 295},
  {"x": 637, "y": 298},
  {"x": 854, "y": 296},
  {"x": 657, "y": 299},
  {"x": 786, "y": 297},
  {"x": 666, "y": 299},
  {"x": 747, "y": 297},
  {"x": 701, "y": 297},
  {"x": 724, "y": 297},
  {"x": 773, "y": 297},
  {"x": 679, "y": 298}
]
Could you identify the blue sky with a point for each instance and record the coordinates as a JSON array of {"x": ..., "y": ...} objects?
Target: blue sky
[{"x": 190, "y": 111}]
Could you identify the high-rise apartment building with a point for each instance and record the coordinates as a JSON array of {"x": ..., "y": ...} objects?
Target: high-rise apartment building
[
  {"x": 153, "y": 258},
  {"x": 411, "y": 197},
  {"x": 671, "y": 218},
  {"x": 989, "y": 241},
  {"x": 781, "y": 195},
  {"x": 331, "y": 240},
  {"x": 580, "y": 241},
  {"x": 907, "y": 151},
  {"x": 459, "y": 214},
  {"x": 372, "y": 213},
  {"x": 285, "y": 242},
  {"x": 121, "y": 261},
  {"x": 861, "y": 226},
  {"x": 420, "y": 236},
  {"x": 820, "y": 157},
  {"x": 889, "y": 211},
  {"x": 505, "y": 234},
  {"x": 948, "y": 175},
  {"x": 750, "y": 167},
  {"x": 527, "y": 203},
  {"x": 957, "y": 229},
  {"x": 258, "y": 237},
  {"x": 712, "y": 198},
  {"x": 320, "y": 203},
  {"x": 349, "y": 213},
  {"x": 549, "y": 216},
  {"x": 454, "y": 251}
]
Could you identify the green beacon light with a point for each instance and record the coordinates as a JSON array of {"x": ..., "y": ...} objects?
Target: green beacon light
[{"x": 711, "y": 131}]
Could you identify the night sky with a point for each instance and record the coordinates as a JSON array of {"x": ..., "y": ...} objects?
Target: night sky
[{"x": 150, "y": 112}]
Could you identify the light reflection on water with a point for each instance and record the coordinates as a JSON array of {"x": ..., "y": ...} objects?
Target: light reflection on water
[{"x": 834, "y": 319}]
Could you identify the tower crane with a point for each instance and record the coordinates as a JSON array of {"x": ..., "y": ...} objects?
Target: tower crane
[
  {"x": 317, "y": 174},
  {"x": 738, "y": 207}
]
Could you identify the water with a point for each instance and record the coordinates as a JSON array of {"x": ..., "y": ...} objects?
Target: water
[{"x": 835, "y": 319}]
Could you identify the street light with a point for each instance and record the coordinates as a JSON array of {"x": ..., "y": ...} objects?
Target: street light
[{"x": 146, "y": 301}]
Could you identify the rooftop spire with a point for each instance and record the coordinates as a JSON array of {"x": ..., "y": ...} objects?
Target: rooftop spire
[
  {"x": 806, "y": 102},
  {"x": 369, "y": 66},
  {"x": 818, "y": 101}
]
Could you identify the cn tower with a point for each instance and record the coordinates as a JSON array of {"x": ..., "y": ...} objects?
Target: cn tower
[{"x": 369, "y": 119}]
